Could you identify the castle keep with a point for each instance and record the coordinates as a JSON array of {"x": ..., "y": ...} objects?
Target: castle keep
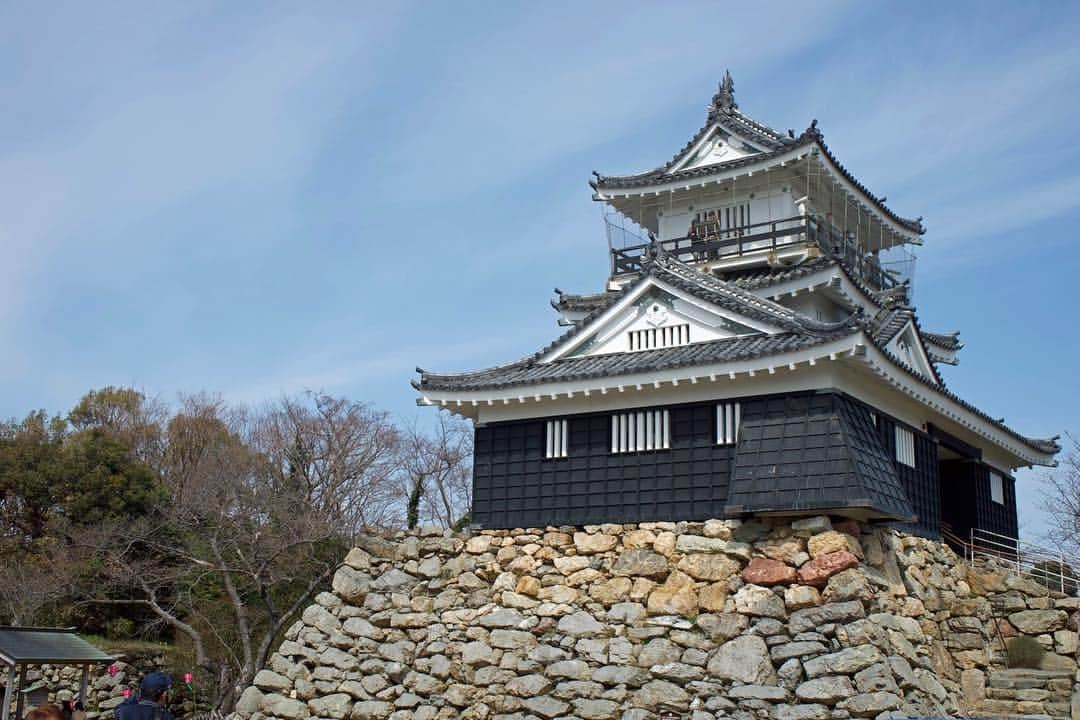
[{"x": 754, "y": 351}]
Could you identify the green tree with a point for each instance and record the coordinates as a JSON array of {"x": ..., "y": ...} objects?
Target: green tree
[
  {"x": 102, "y": 482},
  {"x": 127, "y": 415},
  {"x": 30, "y": 470},
  {"x": 50, "y": 474}
]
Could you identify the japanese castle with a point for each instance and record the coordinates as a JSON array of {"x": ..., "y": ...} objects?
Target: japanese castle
[{"x": 751, "y": 353}]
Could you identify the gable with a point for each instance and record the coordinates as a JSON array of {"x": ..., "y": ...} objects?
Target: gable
[
  {"x": 717, "y": 146},
  {"x": 908, "y": 347},
  {"x": 659, "y": 316}
]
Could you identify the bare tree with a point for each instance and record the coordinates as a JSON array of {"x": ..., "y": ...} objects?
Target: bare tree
[
  {"x": 262, "y": 508},
  {"x": 339, "y": 454},
  {"x": 28, "y": 583},
  {"x": 436, "y": 470},
  {"x": 1061, "y": 499}
]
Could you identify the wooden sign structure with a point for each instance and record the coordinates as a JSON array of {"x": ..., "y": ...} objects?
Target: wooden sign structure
[{"x": 24, "y": 647}]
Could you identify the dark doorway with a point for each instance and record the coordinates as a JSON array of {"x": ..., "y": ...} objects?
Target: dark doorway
[{"x": 958, "y": 465}]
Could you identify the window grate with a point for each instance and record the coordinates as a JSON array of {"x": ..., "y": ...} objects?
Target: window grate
[
  {"x": 905, "y": 446},
  {"x": 557, "y": 440},
  {"x": 728, "y": 415},
  {"x": 640, "y": 431},
  {"x": 661, "y": 337},
  {"x": 997, "y": 488}
]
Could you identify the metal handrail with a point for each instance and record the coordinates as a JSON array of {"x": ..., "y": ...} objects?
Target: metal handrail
[
  {"x": 1027, "y": 559},
  {"x": 770, "y": 235}
]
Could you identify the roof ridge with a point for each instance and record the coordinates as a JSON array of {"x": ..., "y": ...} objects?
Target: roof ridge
[
  {"x": 741, "y": 347},
  {"x": 792, "y": 319}
]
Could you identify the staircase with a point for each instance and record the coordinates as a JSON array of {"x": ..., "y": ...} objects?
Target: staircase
[{"x": 1021, "y": 691}]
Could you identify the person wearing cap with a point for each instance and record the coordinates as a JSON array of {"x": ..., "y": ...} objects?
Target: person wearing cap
[
  {"x": 72, "y": 710},
  {"x": 150, "y": 703},
  {"x": 65, "y": 698}
]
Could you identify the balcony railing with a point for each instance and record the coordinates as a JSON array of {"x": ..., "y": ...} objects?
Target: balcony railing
[{"x": 710, "y": 243}]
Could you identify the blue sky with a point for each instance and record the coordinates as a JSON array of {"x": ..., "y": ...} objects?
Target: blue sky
[{"x": 256, "y": 199}]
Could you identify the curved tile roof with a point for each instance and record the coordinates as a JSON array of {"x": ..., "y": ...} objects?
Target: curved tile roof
[
  {"x": 724, "y": 114},
  {"x": 948, "y": 341},
  {"x": 570, "y": 302},
  {"x": 799, "y": 332},
  {"x": 530, "y": 371}
]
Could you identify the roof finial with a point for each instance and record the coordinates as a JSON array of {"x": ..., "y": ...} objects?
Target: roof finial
[
  {"x": 652, "y": 252},
  {"x": 812, "y": 132},
  {"x": 724, "y": 99}
]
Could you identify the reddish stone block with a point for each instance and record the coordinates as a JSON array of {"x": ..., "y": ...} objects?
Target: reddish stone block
[
  {"x": 817, "y": 571},
  {"x": 763, "y": 571}
]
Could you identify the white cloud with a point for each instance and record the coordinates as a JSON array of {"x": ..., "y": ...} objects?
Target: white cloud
[{"x": 242, "y": 116}]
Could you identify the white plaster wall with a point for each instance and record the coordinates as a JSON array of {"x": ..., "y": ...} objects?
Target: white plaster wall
[
  {"x": 815, "y": 305},
  {"x": 674, "y": 221}
]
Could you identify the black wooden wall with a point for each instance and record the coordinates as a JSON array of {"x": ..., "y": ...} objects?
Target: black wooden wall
[
  {"x": 1000, "y": 518},
  {"x": 515, "y": 486},
  {"x": 920, "y": 482},
  {"x": 966, "y": 502}
]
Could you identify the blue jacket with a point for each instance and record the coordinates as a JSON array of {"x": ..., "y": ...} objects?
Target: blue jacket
[{"x": 141, "y": 709}]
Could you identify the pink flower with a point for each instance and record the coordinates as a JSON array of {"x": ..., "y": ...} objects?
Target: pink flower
[
  {"x": 127, "y": 692},
  {"x": 188, "y": 677},
  {"x": 113, "y": 669}
]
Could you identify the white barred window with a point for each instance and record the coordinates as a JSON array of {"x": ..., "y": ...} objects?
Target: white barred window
[
  {"x": 728, "y": 415},
  {"x": 997, "y": 488},
  {"x": 640, "y": 430},
  {"x": 661, "y": 337},
  {"x": 905, "y": 446},
  {"x": 557, "y": 439}
]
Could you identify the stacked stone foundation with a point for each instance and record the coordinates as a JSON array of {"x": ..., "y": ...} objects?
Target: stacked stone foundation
[{"x": 803, "y": 619}]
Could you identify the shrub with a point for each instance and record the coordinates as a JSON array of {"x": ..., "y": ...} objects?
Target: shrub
[
  {"x": 1024, "y": 652},
  {"x": 120, "y": 629}
]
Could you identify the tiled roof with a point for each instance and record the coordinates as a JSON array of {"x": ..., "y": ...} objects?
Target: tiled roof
[
  {"x": 1044, "y": 445},
  {"x": 662, "y": 174},
  {"x": 569, "y": 302},
  {"x": 530, "y": 371},
  {"x": 884, "y": 326},
  {"x": 671, "y": 270},
  {"x": 734, "y": 298},
  {"x": 799, "y": 332},
  {"x": 758, "y": 278},
  {"x": 776, "y": 144},
  {"x": 840, "y": 464},
  {"x": 950, "y": 341}
]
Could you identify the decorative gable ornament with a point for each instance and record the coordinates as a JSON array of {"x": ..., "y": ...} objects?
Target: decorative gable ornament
[
  {"x": 656, "y": 315},
  {"x": 724, "y": 99}
]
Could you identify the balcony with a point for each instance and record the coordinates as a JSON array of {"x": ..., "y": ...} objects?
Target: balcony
[{"x": 708, "y": 243}]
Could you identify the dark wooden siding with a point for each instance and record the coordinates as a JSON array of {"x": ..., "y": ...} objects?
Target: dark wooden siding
[
  {"x": 996, "y": 517},
  {"x": 921, "y": 483},
  {"x": 515, "y": 486}
]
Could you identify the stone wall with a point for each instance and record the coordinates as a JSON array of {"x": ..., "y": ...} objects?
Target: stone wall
[
  {"x": 791, "y": 620},
  {"x": 104, "y": 691}
]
